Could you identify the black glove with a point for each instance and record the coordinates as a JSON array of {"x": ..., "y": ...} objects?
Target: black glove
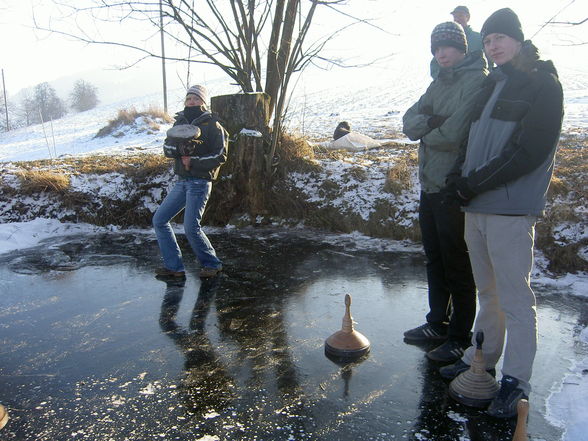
[
  {"x": 449, "y": 195},
  {"x": 457, "y": 191},
  {"x": 451, "y": 179},
  {"x": 171, "y": 142},
  {"x": 188, "y": 148},
  {"x": 464, "y": 191},
  {"x": 436, "y": 121}
]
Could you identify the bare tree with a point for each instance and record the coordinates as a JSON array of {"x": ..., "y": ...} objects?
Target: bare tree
[
  {"x": 83, "y": 96},
  {"x": 12, "y": 124},
  {"x": 43, "y": 105},
  {"x": 27, "y": 110},
  {"x": 259, "y": 44}
]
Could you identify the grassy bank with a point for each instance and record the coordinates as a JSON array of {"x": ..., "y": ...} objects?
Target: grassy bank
[{"x": 373, "y": 192}]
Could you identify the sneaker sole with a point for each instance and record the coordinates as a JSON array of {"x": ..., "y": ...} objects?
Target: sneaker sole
[
  {"x": 443, "y": 360},
  {"x": 210, "y": 275},
  {"x": 170, "y": 277},
  {"x": 425, "y": 339}
]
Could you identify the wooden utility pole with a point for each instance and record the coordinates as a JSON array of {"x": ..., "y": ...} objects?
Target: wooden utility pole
[
  {"x": 5, "y": 101},
  {"x": 162, "y": 57}
]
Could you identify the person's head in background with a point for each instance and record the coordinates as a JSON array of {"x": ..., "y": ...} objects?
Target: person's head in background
[{"x": 461, "y": 15}]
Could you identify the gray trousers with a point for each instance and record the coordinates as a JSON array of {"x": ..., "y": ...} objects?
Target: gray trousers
[{"x": 501, "y": 253}]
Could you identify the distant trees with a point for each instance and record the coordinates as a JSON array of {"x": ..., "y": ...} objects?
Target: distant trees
[
  {"x": 84, "y": 96},
  {"x": 49, "y": 105},
  {"x": 3, "y": 122},
  {"x": 42, "y": 105},
  {"x": 28, "y": 109}
]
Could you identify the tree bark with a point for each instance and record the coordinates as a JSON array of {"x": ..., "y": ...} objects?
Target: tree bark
[
  {"x": 242, "y": 186},
  {"x": 272, "y": 81}
]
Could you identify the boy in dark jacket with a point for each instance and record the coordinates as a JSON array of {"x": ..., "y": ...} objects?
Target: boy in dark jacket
[
  {"x": 196, "y": 163},
  {"x": 502, "y": 180}
]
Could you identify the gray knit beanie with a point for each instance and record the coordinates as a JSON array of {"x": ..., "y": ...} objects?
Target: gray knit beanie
[
  {"x": 451, "y": 34},
  {"x": 198, "y": 91}
]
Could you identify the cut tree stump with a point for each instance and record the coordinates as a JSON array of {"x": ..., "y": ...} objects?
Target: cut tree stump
[{"x": 246, "y": 189}]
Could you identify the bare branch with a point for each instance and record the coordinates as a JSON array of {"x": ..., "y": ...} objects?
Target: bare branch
[
  {"x": 570, "y": 23},
  {"x": 233, "y": 35}
]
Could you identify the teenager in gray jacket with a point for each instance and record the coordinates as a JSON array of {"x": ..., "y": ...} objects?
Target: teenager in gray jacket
[{"x": 502, "y": 180}]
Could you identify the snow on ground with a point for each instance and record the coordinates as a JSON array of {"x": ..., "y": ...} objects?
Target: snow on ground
[
  {"x": 354, "y": 195},
  {"x": 73, "y": 135},
  {"x": 371, "y": 100},
  {"x": 567, "y": 406},
  {"x": 20, "y": 235}
]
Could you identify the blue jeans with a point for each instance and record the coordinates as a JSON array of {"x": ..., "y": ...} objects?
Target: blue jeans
[{"x": 191, "y": 194}]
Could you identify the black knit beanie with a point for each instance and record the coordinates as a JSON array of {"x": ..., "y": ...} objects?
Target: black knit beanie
[
  {"x": 504, "y": 21},
  {"x": 451, "y": 34}
]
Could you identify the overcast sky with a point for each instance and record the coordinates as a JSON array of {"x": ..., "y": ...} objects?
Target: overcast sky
[{"x": 30, "y": 56}]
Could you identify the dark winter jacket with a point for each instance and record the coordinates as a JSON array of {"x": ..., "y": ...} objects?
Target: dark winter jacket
[
  {"x": 210, "y": 151},
  {"x": 441, "y": 119},
  {"x": 474, "y": 39},
  {"x": 511, "y": 147}
]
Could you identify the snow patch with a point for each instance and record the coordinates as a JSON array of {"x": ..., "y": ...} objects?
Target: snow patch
[{"x": 567, "y": 403}]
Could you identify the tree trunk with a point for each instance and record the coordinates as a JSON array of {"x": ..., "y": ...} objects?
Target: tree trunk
[
  {"x": 243, "y": 182},
  {"x": 272, "y": 81}
]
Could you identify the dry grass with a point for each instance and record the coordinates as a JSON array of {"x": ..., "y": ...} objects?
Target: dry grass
[
  {"x": 398, "y": 178},
  {"x": 293, "y": 148},
  {"x": 127, "y": 117},
  {"x": 143, "y": 172},
  {"x": 136, "y": 166},
  {"x": 38, "y": 181},
  {"x": 355, "y": 173},
  {"x": 295, "y": 154},
  {"x": 571, "y": 169},
  {"x": 568, "y": 190}
]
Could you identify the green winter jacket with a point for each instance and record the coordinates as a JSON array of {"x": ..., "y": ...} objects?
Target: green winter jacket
[{"x": 452, "y": 95}]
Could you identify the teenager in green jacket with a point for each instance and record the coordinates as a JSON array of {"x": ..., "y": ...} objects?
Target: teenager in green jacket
[{"x": 440, "y": 120}]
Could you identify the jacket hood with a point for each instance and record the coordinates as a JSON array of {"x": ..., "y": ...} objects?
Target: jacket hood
[
  {"x": 547, "y": 66},
  {"x": 509, "y": 70}
]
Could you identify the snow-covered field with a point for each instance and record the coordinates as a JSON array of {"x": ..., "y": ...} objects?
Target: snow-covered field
[
  {"x": 373, "y": 106},
  {"x": 372, "y": 100}
]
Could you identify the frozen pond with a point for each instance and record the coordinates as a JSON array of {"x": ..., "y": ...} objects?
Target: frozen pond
[{"x": 95, "y": 348}]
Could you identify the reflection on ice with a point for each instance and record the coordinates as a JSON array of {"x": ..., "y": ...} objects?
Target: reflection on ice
[{"x": 106, "y": 351}]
